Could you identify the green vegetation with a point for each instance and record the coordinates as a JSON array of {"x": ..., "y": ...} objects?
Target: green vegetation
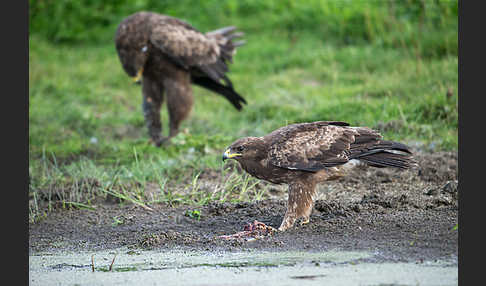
[
  {"x": 194, "y": 214},
  {"x": 387, "y": 65}
]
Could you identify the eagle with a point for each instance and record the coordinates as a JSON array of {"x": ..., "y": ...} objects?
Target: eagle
[
  {"x": 167, "y": 55},
  {"x": 303, "y": 155}
]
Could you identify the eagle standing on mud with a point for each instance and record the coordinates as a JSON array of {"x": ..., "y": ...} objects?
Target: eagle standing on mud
[
  {"x": 305, "y": 154},
  {"x": 169, "y": 55}
]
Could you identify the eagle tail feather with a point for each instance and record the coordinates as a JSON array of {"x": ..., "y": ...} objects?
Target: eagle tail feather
[
  {"x": 388, "y": 159},
  {"x": 215, "y": 78},
  {"x": 381, "y": 155},
  {"x": 227, "y": 91},
  {"x": 392, "y": 145},
  {"x": 224, "y": 38},
  {"x": 221, "y": 31}
]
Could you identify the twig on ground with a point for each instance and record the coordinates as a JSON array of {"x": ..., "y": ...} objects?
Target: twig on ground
[{"x": 111, "y": 265}]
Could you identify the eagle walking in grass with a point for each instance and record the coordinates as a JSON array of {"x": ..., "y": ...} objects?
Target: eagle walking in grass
[
  {"x": 305, "y": 154},
  {"x": 168, "y": 55}
]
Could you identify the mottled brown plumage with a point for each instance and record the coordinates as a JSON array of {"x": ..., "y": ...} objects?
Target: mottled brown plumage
[
  {"x": 169, "y": 55},
  {"x": 305, "y": 154}
]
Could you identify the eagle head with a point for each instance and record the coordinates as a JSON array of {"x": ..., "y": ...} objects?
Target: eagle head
[
  {"x": 133, "y": 60},
  {"x": 249, "y": 148},
  {"x": 132, "y": 45}
]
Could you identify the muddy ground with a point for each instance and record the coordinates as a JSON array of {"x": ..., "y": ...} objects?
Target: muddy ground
[{"x": 398, "y": 215}]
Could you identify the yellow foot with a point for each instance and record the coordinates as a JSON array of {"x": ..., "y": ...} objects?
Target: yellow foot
[{"x": 305, "y": 221}]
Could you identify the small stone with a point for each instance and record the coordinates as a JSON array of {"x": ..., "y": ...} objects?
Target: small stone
[
  {"x": 450, "y": 187},
  {"x": 432, "y": 192}
]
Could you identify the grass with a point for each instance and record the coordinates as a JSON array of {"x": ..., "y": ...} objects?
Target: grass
[{"x": 87, "y": 137}]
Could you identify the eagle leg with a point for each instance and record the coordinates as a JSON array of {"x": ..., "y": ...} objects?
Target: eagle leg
[
  {"x": 179, "y": 102},
  {"x": 288, "y": 221},
  {"x": 299, "y": 204},
  {"x": 152, "y": 102}
]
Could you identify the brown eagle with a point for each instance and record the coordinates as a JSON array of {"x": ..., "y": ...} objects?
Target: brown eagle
[
  {"x": 168, "y": 55},
  {"x": 305, "y": 154}
]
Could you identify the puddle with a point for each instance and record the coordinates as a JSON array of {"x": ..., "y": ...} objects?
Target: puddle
[{"x": 180, "y": 267}]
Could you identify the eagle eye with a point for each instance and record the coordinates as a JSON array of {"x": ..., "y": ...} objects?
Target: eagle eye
[{"x": 239, "y": 149}]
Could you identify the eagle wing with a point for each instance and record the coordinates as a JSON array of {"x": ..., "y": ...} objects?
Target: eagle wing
[
  {"x": 190, "y": 49},
  {"x": 318, "y": 145},
  {"x": 186, "y": 45}
]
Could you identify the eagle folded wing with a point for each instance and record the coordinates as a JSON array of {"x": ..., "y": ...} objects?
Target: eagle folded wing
[
  {"x": 188, "y": 47},
  {"x": 312, "y": 147}
]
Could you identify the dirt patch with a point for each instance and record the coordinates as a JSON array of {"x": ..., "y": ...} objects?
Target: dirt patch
[{"x": 399, "y": 215}]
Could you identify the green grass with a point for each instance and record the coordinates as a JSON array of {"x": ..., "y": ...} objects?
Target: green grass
[{"x": 87, "y": 137}]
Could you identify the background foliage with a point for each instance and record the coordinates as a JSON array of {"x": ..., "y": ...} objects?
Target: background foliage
[{"x": 388, "y": 23}]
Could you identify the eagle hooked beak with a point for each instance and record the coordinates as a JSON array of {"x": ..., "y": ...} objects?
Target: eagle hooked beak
[
  {"x": 228, "y": 155},
  {"x": 138, "y": 77}
]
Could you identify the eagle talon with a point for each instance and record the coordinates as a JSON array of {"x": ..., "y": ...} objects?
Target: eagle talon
[
  {"x": 305, "y": 221},
  {"x": 164, "y": 141},
  {"x": 159, "y": 142}
]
